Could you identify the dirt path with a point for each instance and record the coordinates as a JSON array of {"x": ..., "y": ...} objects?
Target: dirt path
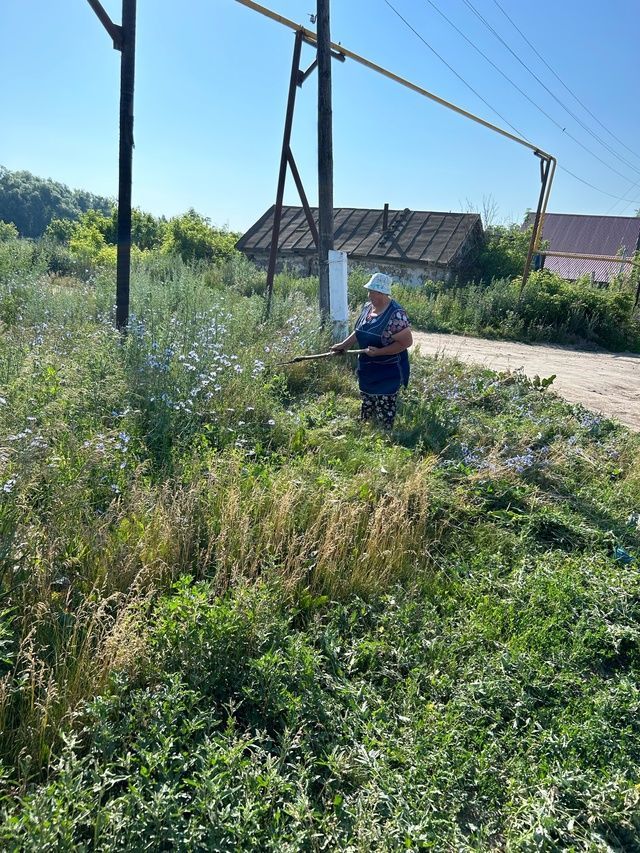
[{"x": 602, "y": 381}]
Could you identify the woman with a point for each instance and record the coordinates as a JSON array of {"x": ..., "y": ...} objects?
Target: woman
[{"x": 384, "y": 332}]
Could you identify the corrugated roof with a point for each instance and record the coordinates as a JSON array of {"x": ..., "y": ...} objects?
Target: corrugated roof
[
  {"x": 589, "y": 235},
  {"x": 411, "y": 236}
]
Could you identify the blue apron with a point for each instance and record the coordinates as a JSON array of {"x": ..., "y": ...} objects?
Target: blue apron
[{"x": 380, "y": 374}]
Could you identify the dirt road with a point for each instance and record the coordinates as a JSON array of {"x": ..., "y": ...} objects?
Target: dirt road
[{"x": 602, "y": 381}]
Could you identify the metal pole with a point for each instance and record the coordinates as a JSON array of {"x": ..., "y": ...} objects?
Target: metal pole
[
  {"x": 325, "y": 153},
  {"x": 545, "y": 164},
  {"x": 127, "y": 78},
  {"x": 277, "y": 213}
]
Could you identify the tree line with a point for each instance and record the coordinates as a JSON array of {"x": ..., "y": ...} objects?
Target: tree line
[
  {"x": 30, "y": 202},
  {"x": 85, "y": 226}
]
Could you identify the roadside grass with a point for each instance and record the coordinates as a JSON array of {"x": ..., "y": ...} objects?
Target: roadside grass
[
  {"x": 549, "y": 309},
  {"x": 233, "y": 617}
]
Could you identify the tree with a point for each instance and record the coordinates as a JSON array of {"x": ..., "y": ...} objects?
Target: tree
[
  {"x": 31, "y": 202},
  {"x": 505, "y": 251},
  {"x": 60, "y": 230},
  {"x": 8, "y": 231},
  {"x": 193, "y": 238},
  {"x": 147, "y": 231}
]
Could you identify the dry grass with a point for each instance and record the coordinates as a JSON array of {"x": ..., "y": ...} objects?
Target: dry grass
[{"x": 225, "y": 525}]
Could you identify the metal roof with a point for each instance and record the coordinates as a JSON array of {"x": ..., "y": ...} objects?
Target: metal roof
[
  {"x": 411, "y": 236},
  {"x": 589, "y": 235}
]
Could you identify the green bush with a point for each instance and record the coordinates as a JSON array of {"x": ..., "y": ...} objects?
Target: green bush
[
  {"x": 234, "y": 617},
  {"x": 549, "y": 309},
  {"x": 504, "y": 251},
  {"x": 8, "y": 231},
  {"x": 193, "y": 238}
]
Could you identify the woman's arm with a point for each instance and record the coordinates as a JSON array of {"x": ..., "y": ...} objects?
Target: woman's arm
[
  {"x": 345, "y": 344},
  {"x": 401, "y": 341}
]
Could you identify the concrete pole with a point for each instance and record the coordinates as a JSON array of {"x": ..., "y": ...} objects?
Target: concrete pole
[{"x": 338, "y": 297}]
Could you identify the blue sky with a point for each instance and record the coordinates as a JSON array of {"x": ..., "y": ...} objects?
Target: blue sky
[{"x": 211, "y": 90}]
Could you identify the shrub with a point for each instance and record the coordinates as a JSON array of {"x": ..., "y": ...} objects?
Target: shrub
[
  {"x": 8, "y": 231},
  {"x": 504, "y": 251},
  {"x": 193, "y": 238},
  {"x": 549, "y": 309}
]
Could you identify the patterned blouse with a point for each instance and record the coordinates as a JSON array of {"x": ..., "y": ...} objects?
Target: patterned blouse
[{"x": 397, "y": 322}]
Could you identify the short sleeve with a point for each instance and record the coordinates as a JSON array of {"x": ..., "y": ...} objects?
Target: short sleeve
[{"x": 398, "y": 322}]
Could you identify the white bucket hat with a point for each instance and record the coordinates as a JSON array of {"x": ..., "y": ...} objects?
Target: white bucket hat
[{"x": 380, "y": 282}]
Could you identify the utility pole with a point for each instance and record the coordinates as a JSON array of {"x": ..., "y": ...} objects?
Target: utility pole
[
  {"x": 124, "y": 40},
  {"x": 127, "y": 76},
  {"x": 325, "y": 152}
]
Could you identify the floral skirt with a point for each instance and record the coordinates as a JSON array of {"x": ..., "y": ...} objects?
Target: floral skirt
[{"x": 380, "y": 408}]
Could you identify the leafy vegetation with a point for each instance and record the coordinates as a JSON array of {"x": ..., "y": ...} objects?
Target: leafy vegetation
[
  {"x": 30, "y": 203},
  {"x": 235, "y": 618},
  {"x": 548, "y": 309},
  {"x": 504, "y": 252},
  {"x": 79, "y": 230}
]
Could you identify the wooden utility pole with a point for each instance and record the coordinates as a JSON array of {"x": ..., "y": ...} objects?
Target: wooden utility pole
[
  {"x": 124, "y": 40},
  {"x": 127, "y": 76},
  {"x": 325, "y": 152}
]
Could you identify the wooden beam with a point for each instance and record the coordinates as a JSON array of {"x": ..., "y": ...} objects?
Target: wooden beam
[{"x": 113, "y": 29}]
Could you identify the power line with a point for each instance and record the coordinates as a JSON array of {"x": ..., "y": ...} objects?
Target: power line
[
  {"x": 561, "y": 81},
  {"x": 598, "y": 189},
  {"x": 626, "y": 201},
  {"x": 468, "y": 85},
  {"x": 491, "y": 62},
  {"x": 452, "y": 69},
  {"x": 547, "y": 89}
]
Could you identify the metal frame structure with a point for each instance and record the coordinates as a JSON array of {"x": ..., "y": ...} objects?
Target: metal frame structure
[
  {"x": 124, "y": 40},
  {"x": 548, "y": 162}
]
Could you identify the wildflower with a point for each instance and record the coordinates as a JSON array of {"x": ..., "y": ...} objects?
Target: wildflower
[
  {"x": 8, "y": 486},
  {"x": 520, "y": 463}
]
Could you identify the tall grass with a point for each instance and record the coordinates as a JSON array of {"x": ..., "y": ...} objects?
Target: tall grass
[
  {"x": 246, "y": 583},
  {"x": 549, "y": 309}
]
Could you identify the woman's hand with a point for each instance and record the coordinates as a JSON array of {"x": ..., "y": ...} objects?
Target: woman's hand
[
  {"x": 374, "y": 351},
  {"x": 345, "y": 344}
]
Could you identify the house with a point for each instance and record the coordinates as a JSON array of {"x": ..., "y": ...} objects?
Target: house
[
  {"x": 612, "y": 236},
  {"x": 411, "y": 245}
]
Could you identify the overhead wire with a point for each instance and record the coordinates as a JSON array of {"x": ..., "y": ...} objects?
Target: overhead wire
[
  {"x": 491, "y": 62},
  {"x": 562, "y": 83},
  {"x": 472, "y": 89},
  {"x": 627, "y": 202},
  {"x": 452, "y": 69},
  {"x": 598, "y": 189},
  {"x": 586, "y": 148}
]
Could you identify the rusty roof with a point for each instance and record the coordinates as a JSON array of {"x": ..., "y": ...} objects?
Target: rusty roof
[
  {"x": 411, "y": 236},
  {"x": 588, "y": 235}
]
